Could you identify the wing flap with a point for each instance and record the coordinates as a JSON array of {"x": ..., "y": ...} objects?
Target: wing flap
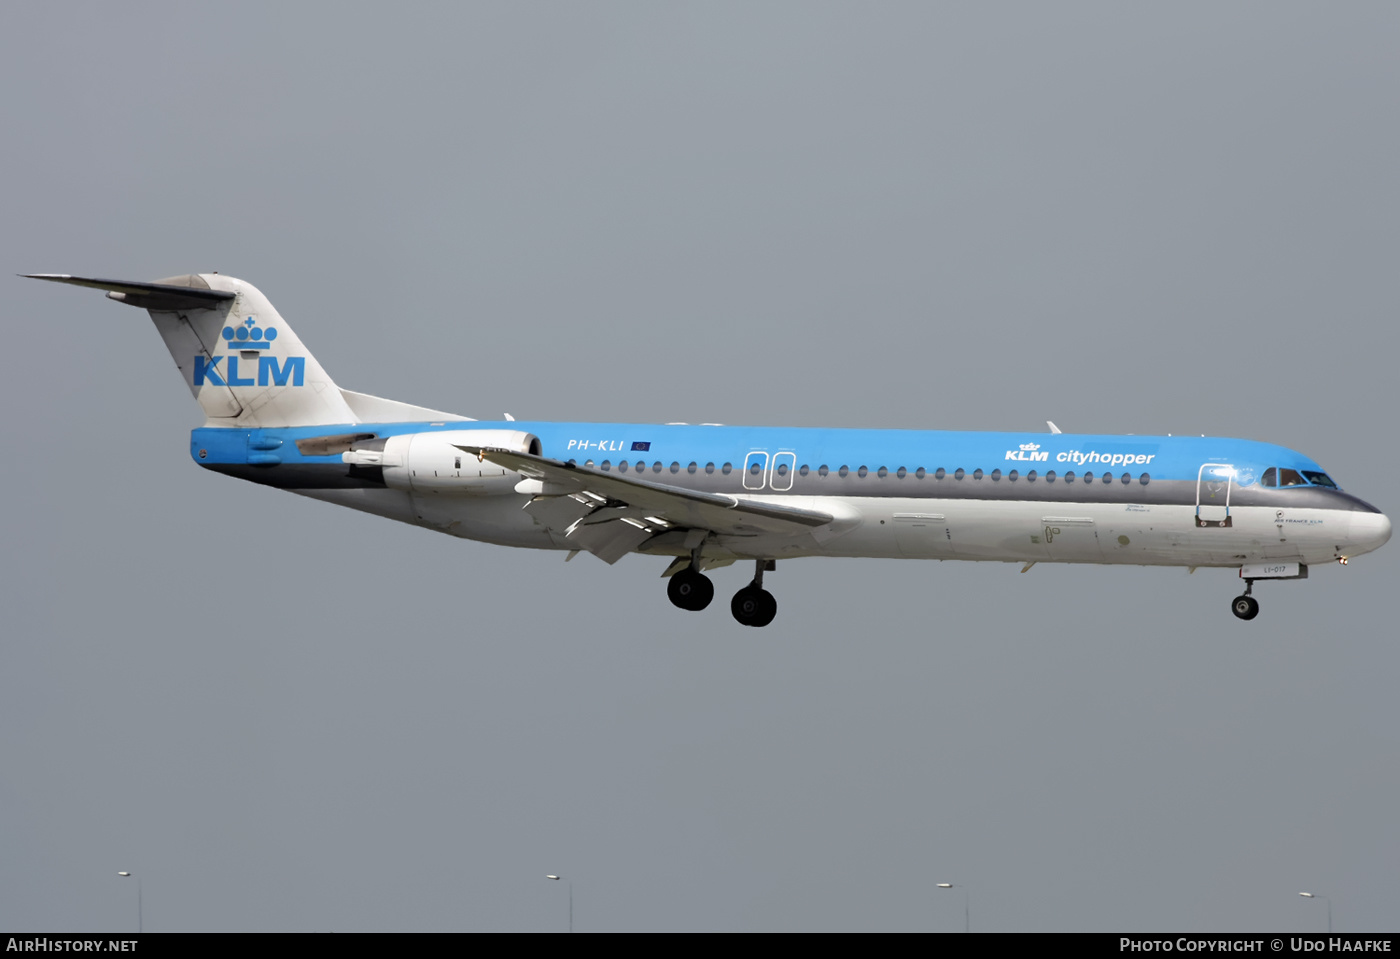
[
  {"x": 559, "y": 512},
  {"x": 609, "y": 541}
]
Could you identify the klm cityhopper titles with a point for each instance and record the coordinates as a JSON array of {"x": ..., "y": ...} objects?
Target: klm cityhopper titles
[{"x": 708, "y": 496}]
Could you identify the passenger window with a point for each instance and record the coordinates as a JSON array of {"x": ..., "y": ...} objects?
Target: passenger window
[
  {"x": 1088, "y": 477},
  {"x": 940, "y": 473},
  {"x": 843, "y": 472},
  {"x": 1030, "y": 477},
  {"x": 675, "y": 467},
  {"x": 1127, "y": 478},
  {"x": 996, "y": 476},
  {"x": 1069, "y": 477},
  {"x": 1050, "y": 476},
  {"x": 862, "y": 472},
  {"x": 920, "y": 473},
  {"x": 727, "y": 468},
  {"x": 621, "y": 467},
  {"x": 690, "y": 468},
  {"x": 959, "y": 474},
  {"x": 1012, "y": 476},
  {"x": 901, "y": 472},
  {"x": 656, "y": 467},
  {"x": 782, "y": 469},
  {"x": 607, "y": 464},
  {"x": 882, "y": 472},
  {"x": 803, "y": 471},
  {"x": 755, "y": 469},
  {"x": 1144, "y": 479},
  {"x": 822, "y": 470},
  {"x": 976, "y": 474},
  {"x": 710, "y": 469},
  {"x": 1107, "y": 478}
]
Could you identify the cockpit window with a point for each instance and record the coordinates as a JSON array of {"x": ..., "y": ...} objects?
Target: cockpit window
[
  {"x": 1280, "y": 476},
  {"x": 1320, "y": 479}
]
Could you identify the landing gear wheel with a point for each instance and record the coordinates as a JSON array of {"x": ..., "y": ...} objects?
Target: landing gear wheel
[
  {"x": 690, "y": 590},
  {"x": 1245, "y": 607},
  {"x": 753, "y": 606}
]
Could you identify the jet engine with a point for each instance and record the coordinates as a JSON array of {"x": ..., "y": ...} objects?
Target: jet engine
[{"x": 432, "y": 463}]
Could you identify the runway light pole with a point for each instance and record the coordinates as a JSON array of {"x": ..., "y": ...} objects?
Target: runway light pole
[
  {"x": 571, "y": 900},
  {"x": 967, "y": 902},
  {"x": 139, "y": 923},
  {"x": 1308, "y": 895}
]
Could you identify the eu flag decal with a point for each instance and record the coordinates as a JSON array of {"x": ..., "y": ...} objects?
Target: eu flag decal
[{"x": 641, "y": 447}]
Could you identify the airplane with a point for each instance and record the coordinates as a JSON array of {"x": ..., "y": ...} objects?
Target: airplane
[{"x": 707, "y": 496}]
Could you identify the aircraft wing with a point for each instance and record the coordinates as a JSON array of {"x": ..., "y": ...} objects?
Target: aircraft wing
[{"x": 610, "y": 515}]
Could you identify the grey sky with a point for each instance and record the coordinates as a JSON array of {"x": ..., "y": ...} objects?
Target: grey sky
[{"x": 283, "y": 716}]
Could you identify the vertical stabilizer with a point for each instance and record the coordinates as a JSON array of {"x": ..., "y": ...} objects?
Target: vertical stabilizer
[{"x": 242, "y": 362}]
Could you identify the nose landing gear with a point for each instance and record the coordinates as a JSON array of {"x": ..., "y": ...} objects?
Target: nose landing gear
[{"x": 1245, "y": 606}]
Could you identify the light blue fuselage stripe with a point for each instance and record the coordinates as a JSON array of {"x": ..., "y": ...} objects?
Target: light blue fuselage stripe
[{"x": 1163, "y": 457}]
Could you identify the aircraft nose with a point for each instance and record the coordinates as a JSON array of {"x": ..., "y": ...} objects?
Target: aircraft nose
[{"x": 1369, "y": 531}]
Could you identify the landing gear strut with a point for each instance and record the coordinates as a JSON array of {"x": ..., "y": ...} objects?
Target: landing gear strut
[
  {"x": 753, "y": 605},
  {"x": 1245, "y": 606}
]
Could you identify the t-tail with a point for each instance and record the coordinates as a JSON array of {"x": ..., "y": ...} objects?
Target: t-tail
[{"x": 242, "y": 362}]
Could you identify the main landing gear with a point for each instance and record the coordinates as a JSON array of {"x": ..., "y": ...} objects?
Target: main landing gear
[
  {"x": 1245, "y": 606},
  {"x": 690, "y": 590},
  {"x": 752, "y": 606}
]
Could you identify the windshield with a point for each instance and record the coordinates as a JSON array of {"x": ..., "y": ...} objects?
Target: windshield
[
  {"x": 1276, "y": 476},
  {"x": 1320, "y": 479}
]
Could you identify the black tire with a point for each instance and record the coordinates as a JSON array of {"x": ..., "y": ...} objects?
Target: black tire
[
  {"x": 1245, "y": 607},
  {"x": 690, "y": 590},
  {"x": 753, "y": 606}
]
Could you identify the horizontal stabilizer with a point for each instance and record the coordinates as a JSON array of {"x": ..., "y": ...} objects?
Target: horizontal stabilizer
[{"x": 189, "y": 292}]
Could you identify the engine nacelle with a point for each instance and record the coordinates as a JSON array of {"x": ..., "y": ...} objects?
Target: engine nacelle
[{"x": 432, "y": 463}]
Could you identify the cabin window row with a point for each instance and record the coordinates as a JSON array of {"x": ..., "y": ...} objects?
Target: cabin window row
[{"x": 996, "y": 475}]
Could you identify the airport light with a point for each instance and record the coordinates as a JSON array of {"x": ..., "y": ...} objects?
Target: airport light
[
  {"x": 139, "y": 922},
  {"x": 1308, "y": 895},
  {"x": 967, "y": 902},
  {"x": 571, "y": 899}
]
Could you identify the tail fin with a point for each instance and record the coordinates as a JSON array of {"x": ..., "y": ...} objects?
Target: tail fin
[{"x": 240, "y": 359}]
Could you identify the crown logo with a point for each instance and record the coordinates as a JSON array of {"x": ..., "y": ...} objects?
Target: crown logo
[
  {"x": 1030, "y": 446},
  {"x": 249, "y": 336}
]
